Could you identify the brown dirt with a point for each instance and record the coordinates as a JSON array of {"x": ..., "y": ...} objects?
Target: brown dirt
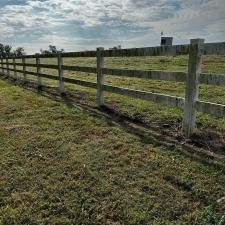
[{"x": 210, "y": 140}]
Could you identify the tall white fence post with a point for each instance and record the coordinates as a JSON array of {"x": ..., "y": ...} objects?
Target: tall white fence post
[
  {"x": 192, "y": 86},
  {"x": 39, "y": 78},
  {"x": 14, "y": 68},
  {"x": 7, "y": 62},
  {"x": 24, "y": 68},
  {"x": 100, "y": 77},
  {"x": 2, "y": 66},
  {"x": 61, "y": 74}
]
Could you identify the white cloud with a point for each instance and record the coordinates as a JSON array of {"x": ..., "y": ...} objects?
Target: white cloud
[{"x": 132, "y": 22}]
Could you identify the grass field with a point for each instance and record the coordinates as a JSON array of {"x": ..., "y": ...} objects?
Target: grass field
[
  {"x": 65, "y": 164},
  {"x": 152, "y": 112}
]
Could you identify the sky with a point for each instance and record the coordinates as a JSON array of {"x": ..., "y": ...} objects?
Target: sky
[{"x": 77, "y": 25}]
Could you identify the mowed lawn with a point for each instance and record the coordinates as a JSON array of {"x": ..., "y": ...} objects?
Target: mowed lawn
[{"x": 63, "y": 164}]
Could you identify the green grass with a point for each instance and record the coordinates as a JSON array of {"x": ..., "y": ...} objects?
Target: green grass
[
  {"x": 153, "y": 112},
  {"x": 67, "y": 165}
]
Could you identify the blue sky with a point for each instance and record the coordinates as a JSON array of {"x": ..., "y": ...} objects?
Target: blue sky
[{"x": 77, "y": 25}]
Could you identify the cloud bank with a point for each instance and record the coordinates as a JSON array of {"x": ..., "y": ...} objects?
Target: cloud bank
[{"x": 81, "y": 24}]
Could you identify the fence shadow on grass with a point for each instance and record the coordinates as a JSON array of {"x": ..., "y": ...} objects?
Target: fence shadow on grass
[{"x": 138, "y": 127}]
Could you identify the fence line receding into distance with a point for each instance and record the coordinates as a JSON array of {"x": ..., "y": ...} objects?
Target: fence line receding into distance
[{"x": 193, "y": 78}]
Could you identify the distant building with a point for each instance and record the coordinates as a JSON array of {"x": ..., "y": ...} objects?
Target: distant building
[{"x": 166, "y": 41}]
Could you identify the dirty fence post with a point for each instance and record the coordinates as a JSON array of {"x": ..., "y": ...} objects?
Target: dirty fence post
[
  {"x": 39, "y": 78},
  {"x": 61, "y": 74},
  {"x": 192, "y": 86},
  {"x": 24, "y": 68},
  {"x": 100, "y": 77},
  {"x": 14, "y": 68},
  {"x": 7, "y": 64}
]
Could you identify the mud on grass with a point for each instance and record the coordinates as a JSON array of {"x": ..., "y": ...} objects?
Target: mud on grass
[{"x": 62, "y": 164}]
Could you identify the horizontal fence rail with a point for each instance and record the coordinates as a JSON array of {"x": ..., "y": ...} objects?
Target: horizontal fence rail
[
  {"x": 212, "y": 79},
  {"x": 211, "y": 108},
  {"x": 205, "y": 107},
  {"x": 214, "y": 48},
  {"x": 155, "y": 75},
  {"x": 192, "y": 77},
  {"x": 209, "y": 49},
  {"x": 52, "y": 77},
  {"x": 149, "y": 96},
  {"x": 151, "y": 51},
  {"x": 80, "y": 69},
  {"x": 205, "y": 78}
]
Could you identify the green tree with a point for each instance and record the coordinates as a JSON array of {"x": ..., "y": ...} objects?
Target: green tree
[
  {"x": 19, "y": 51},
  {"x": 52, "y": 50},
  {"x": 8, "y": 50},
  {"x": 2, "y": 50}
]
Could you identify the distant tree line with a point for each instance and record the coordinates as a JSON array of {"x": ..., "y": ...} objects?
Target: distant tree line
[
  {"x": 52, "y": 49},
  {"x": 7, "y": 51}
]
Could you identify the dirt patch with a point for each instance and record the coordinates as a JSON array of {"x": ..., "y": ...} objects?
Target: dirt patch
[
  {"x": 204, "y": 139},
  {"x": 209, "y": 140}
]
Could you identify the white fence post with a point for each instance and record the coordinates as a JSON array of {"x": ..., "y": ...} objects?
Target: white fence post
[
  {"x": 61, "y": 74},
  {"x": 24, "y": 68},
  {"x": 39, "y": 78},
  {"x": 2, "y": 66},
  {"x": 7, "y": 62},
  {"x": 14, "y": 67},
  {"x": 100, "y": 77},
  {"x": 192, "y": 86}
]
